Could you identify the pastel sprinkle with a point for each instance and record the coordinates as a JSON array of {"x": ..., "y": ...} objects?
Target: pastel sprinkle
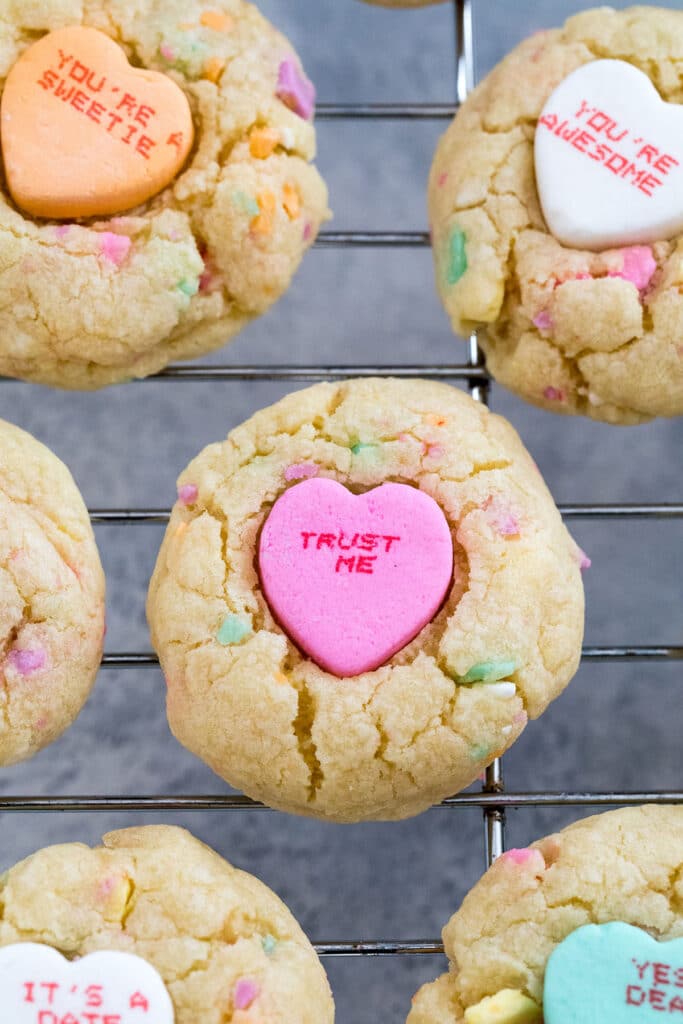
[
  {"x": 584, "y": 561},
  {"x": 263, "y": 223},
  {"x": 489, "y": 671},
  {"x": 62, "y": 231},
  {"x": 506, "y": 730},
  {"x": 504, "y": 690},
  {"x": 521, "y": 856},
  {"x": 217, "y": 20},
  {"x": 28, "y": 661},
  {"x": 189, "y": 288},
  {"x": 291, "y": 200},
  {"x": 479, "y": 752},
  {"x": 543, "y": 321},
  {"x": 360, "y": 446},
  {"x": 554, "y": 394},
  {"x": 435, "y": 451},
  {"x": 434, "y": 420},
  {"x": 295, "y": 90},
  {"x": 639, "y": 266},
  {"x": 167, "y": 52},
  {"x": 188, "y": 494},
  {"x": 442, "y": 179},
  {"x": 281, "y": 679},
  {"x": 213, "y": 69},
  {"x": 301, "y": 471},
  {"x": 115, "y": 248},
  {"x": 233, "y": 630},
  {"x": 263, "y": 142},
  {"x": 269, "y": 944},
  {"x": 246, "y": 993},
  {"x": 457, "y": 256},
  {"x": 246, "y": 203},
  {"x": 507, "y": 524},
  {"x": 521, "y": 718}
]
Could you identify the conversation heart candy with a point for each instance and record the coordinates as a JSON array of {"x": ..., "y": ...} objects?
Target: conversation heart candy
[
  {"x": 38, "y": 986},
  {"x": 354, "y": 578},
  {"x": 613, "y": 974},
  {"x": 84, "y": 134},
  {"x": 609, "y": 159}
]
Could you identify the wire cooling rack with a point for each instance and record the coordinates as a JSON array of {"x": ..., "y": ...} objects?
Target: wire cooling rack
[{"x": 492, "y": 799}]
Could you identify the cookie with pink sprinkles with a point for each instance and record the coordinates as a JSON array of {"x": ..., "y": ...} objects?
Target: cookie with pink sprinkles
[
  {"x": 557, "y": 216},
  {"x": 364, "y": 594},
  {"x": 51, "y": 598},
  {"x": 158, "y": 189},
  {"x": 151, "y": 926}
]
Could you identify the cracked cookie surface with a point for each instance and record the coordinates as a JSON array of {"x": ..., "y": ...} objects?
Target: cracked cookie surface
[
  {"x": 214, "y": 934},
  {"x": 388, "y": 743},
  {"x": 571, "y": 331},
  {"x": 51, "y": 597},
  {"x": 625, "y": 866},
  {"x": 99, "y": 302}
]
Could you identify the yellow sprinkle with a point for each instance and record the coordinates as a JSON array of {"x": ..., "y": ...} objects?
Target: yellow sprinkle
[
  {"x": 213, "y": 69},
  {"x": 218, "y": 21},
  {"x": 267, "y": 202},
  {"x": 292, "y": 202},
  {"x": 508, "y": 1006},
  {"x": 435, "y": 421},
  {"x": 262, "y": 142},
  {"x": 182, "y": 527}
]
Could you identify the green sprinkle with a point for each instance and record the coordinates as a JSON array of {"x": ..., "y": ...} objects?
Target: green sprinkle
[
  {"x": 479, "y": 753},
  {"x": 361, "y": 447},
  {"x": 233, "y": 630},
  {"x": 188, "y": 288},
  {"x": 269, "y": 944},
  {"x": 457, "y": 256},
  {"x": 489, "y": 671},
  {"x": 244, "y": 202}
]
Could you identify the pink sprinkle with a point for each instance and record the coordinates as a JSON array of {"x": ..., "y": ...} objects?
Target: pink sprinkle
[
  {"x": 554, "y": 394},
  {"x": 295, "y": 90},
  {"x": 543, "y": 321},
  {"x": 507, "y": 525},
  {"x": 521, "y": 718},
  {"x": 639, "y": 266},
  {"x": 434, "y": 451},
  {"x": 167, "y": 52},
  {"x": 28, "y": 662},
  {"x": 115, "y": 248},
  {"x": 521, "y": 856},
  {"x": 106, "y": 886},
  {"x": 188, "y": 494},
  {"x": 62, "y": 231},
  {"x": 584, "y": 560},
  {"x": 301, "y": 471},
  {"x": 246, "y": 992},
  {"x": 442, "y": 179},
  {"x": 308, "y": 232}
]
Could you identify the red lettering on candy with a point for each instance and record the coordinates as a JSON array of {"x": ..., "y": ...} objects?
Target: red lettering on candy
[
  {"x": 94, "y": 996},
  {"x": 641, "y": 968},
  {"x": 349, "y": 563},
  {"x": 326, "y": 540},
  {"x": 128, "y": 103},
  {"x": 661, "y": 974},
  {"x": 635, "y": 1000},
  {"x": 365, "y": 564},
  {"x": 52, "y": 987},
  {"x": 139, "y": 1002},
  {"x": 676, "y": 1005},
  {"x": 657, "y": 998},
  {"x": 29, "y": 987},
  {"x": 176, "y": 140}
]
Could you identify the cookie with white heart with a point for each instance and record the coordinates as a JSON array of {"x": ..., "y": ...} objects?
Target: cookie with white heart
[
  {"x": 582, "y": 926},
  {"x": 51, "y": 598},
  {"x": 363, "y": 595},
  {"x": 557, "y": 215},
  {"x": 158, "y": 190},
  {"x": 152, "y": 925}
]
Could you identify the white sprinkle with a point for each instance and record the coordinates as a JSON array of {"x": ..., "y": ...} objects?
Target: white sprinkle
[
  {"x": 502, "y": 689},
  {"x": 506, "y": 730}
]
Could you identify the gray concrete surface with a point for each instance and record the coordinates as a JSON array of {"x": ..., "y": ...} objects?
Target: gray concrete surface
[{"x": 616, "y": 727}]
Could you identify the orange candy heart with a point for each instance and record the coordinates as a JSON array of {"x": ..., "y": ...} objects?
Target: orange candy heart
[{"x": 84, "y": 134}]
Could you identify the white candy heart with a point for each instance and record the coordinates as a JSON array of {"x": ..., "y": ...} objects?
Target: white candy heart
[
  {"x": 38, "y": 986},
  {"x": 609, "y": 159}
]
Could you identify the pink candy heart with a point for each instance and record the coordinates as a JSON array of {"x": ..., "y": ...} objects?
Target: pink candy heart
[{"x": 354, "y": 578}]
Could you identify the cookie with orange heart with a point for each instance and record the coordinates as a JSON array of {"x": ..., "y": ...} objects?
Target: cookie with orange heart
[
  {"x": 557, "y": 213},
  {"x": 158, "y": 191}
]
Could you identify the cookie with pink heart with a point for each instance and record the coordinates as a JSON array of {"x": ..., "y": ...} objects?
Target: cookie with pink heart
[
  {"x": 556, "y": 200},
  {"x": 110, "y": 935},
  {"x": 586, "y": 930},
  {"x": 341, "y": 604}
]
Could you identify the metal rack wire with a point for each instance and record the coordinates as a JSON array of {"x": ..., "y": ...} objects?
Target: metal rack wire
[{"x": 493, "y": 800}]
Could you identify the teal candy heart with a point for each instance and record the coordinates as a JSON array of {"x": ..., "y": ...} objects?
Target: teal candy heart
[{"x": 613, "y": 974}]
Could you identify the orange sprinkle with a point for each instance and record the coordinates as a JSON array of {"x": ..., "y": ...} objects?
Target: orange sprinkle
[
  {"x": 264, "y": 223},
  {"x": 267, "y": 202},
  {"x": 292, "y": 201},
  {"x": 213, "y": 69},
  {"x": 182, "y": 527},
  {"x": 262, "y": 142},
  {"x": 435, "y": 421},
  {"x": 281, "y": 678},
  {"x": 218, "y": 21}
]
